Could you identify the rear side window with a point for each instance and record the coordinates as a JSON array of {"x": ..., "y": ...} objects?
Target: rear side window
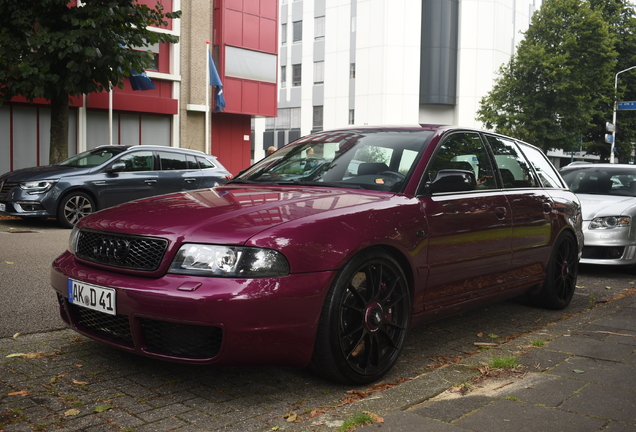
[
  {"x": 205, "y": 163},
  {"x": 544, "y": 169},
  {"x": 514, "y": 169},
  {"x": 172, "y": 161}
]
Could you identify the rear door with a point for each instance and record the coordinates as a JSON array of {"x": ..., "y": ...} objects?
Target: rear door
[
  {"x": 179, "y": 172},
  {"x": 531, "y": 208},
  {"x": 469, "y": 231}
]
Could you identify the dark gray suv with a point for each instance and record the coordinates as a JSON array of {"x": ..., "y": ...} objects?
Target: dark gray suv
[{"x": 104, "y": 177}]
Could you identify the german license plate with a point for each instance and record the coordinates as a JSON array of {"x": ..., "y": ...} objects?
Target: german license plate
[
  {"x": 94, "y": 297},
  {"x": 3, "y": 207}
]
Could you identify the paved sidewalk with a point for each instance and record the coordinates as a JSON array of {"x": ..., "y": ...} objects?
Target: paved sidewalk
[{"x": 583, "y": 378}]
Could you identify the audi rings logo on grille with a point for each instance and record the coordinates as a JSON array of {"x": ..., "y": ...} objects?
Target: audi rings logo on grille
[{"x": 109, "y": 250}]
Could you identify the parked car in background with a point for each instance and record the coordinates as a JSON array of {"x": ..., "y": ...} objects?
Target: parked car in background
[
  {"x": 326, "y": 252},
  {"x": 104, "y": 177},
  {"x": 608, "y": 199}
]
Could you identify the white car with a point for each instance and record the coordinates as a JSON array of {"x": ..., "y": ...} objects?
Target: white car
[{"x": 608, "y": 202}]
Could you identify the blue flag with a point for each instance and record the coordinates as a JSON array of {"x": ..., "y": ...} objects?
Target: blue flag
[
  {"x": 140, "y": 81},
  {"x": 215, "y": 80}
]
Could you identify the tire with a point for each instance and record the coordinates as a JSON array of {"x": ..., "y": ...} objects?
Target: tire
[
  {"x": 364, "y": 320},
  {"x": 560, "y": 282},
  {"x": 74, "y": 207}
]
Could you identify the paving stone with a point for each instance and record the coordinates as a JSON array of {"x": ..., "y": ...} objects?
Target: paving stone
[
  {"x": 400, "y": 421},
  {"x": 598, "y": 371},
  {"x": 623, "y": 319},
  {"x": 505, "y": 416},
  {"x": 162, "y": 413},
  {"x": 620, "y": 427},
  {"x": 539, "y": 360},
  {"x": 586, "y": 347},
  {"x": 543, "y": 390},
  {"x": 202, "y": 420},
  {"x": 603, "y": 401},
  {"x": 450, "y": 409}
]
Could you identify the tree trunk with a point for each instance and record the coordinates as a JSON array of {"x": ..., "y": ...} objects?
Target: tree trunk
[{"x": 58, "y": 150}]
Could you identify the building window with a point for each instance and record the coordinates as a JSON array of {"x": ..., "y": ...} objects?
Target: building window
[
  {"x": 352, "y": 117},
  {"x": 318, "y": 117},
  {"x": 319, "y": 72},
  {"x": 283, "y": 34},
  {"x": 298, "y": 31},
  {"x": 319, "y": 27},
  {"x": 294, "y": 118},
  {"x": 296, "y": 75},
  {"x": 352, "y": 70},
  {"x": 283, "y": 76}
]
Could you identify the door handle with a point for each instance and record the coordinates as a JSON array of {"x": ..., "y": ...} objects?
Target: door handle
[
  {"x": 190, "y": 180},
  {"x": 150, "y": 181},
  {"x": 501, "y": 212}
]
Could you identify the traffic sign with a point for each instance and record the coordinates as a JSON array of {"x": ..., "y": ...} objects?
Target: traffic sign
[{"x": 627, "y": 105}]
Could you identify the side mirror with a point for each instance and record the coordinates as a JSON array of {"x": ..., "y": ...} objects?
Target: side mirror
[
  {"x": 116, "y": 167},
  {"x": 451, "y": 180}
]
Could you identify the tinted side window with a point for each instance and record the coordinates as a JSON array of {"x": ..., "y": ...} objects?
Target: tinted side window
[
  {"x": 205, "y": 163},
  {"x": 191, "y": 162},
  {"x": 515, "y": 171},
  {"x": 464, "y": 151},
  {"x": 137, "y": 161},
  {"x": 172, "y": 161},
  {"x": 544, "y": 169}
]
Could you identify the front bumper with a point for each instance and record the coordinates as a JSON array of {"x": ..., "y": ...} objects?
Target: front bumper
[
  {"x": 609, "y": 246},
  {"x": 201, "y": 320}
]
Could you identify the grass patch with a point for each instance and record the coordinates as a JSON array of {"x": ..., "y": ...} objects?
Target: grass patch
[
  {"x": 503, "y": 363},
  {"x": 359, "y": 419},
  {"x": 538, "y": 343}
]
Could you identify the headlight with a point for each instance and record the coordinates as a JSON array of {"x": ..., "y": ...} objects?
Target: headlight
[
  {"x": 37, "y": 187},
  {"x": 73, "y": 239},
  {"x": 608, "y": 222},
  {"x": 228, "y": 261}
]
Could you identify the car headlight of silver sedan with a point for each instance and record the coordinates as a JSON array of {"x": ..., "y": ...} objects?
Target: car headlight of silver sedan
[
  {"x": 608, "y": 222},
  {"x": 38, "y": 186},
  {"x": 228, "y": 261}
]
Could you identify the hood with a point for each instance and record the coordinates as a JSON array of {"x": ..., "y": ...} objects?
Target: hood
[
  {"x": 605, "y": 205},
  {"x": 227, "y": 214},
  {"x": 48, "y": 172}
]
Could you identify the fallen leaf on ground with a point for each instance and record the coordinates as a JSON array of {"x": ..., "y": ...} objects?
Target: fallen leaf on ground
[
  {"x": 83, "y": 383},
  {"x": 17, "y": 335},
  {"x": 291, "y": 417},
  {"x": 72, "y": 412},
  {"x": 102, "y": 408},
  {"x": 480, "y": 335},
  {"x": 20, "y": 393},
  {"x": 578, "y": 371}
]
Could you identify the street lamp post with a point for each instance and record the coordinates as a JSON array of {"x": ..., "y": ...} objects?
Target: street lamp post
[{"x": 613, "y": 143}]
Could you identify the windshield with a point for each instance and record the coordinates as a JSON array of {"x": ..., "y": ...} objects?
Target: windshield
[
  {"x": 93, "y": 158},
  {"x": 378, "y": 160},
  {"x": 619, "y": 181}
]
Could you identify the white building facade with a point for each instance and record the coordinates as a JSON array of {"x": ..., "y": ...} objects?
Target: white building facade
[{"x": 388, "y": 62}]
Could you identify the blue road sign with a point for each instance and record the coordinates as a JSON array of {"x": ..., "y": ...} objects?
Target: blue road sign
[{"x": 627, "y": 105}]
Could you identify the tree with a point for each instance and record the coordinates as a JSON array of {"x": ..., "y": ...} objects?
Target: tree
[
  {"x": 619, "y": 14},
  {"x": 52, "y": 49},
  {"x": 560, "y": 79}
]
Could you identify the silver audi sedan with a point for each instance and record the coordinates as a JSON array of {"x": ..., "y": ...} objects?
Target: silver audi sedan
[{"x": 608, "y": 202}]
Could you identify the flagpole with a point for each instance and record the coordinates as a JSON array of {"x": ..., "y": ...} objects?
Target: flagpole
[
  {"x": 208, "y": 143},
  {"x": 110, "y": 114}
]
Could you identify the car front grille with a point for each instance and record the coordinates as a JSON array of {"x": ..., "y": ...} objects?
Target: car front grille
[
  {"x": 114, "y": 328},
  {"x": 181, "y": 340},
  {"x": 131, "y": 252},
  {"x": 5, "y": 187},
  {"x": 603, "y": 252}
]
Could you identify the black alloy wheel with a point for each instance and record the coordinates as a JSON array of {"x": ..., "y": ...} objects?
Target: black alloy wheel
[
  {"x": 561, "y": 274},
  {"x": 364, "y": 321}
]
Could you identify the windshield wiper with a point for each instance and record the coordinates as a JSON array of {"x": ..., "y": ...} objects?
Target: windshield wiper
[{"x": 315, "y": 183}]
